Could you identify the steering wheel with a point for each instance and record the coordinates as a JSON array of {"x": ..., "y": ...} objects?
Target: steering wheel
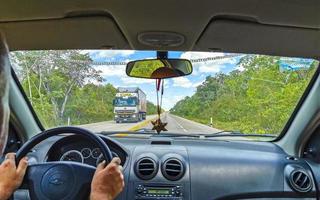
[{"x": 60, "y": 179}]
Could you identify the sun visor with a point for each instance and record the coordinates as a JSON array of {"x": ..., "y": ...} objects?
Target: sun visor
[
  {"x": 68, "y": 33},
  {"x": 246, "y": 37}
]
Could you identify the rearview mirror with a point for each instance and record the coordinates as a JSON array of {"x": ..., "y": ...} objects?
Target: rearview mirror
[{"x": 159, "y": 68}]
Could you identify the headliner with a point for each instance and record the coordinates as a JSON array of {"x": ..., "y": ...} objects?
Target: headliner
[{"x": 287, "y": 27}]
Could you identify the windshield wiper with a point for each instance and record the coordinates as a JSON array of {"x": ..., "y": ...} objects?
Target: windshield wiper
[
  {"x": 150, "y": 132},
  {"x": 236, "y": 134}
]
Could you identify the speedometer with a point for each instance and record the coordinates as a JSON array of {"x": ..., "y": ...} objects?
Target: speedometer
[
  {"x": 72, "y": 155},
  {"x": 86, "y": 152}
]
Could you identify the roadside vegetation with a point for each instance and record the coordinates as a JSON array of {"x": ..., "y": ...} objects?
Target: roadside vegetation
[
  {"x": 64, "y": 88},
  {"x": 257, "y": 99}
]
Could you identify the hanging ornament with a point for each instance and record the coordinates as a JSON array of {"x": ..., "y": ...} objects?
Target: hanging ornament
[{"x": 158, "y": 125}]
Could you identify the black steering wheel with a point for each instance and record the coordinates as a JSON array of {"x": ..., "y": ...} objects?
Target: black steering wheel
[{"x": 60, "y": 179}]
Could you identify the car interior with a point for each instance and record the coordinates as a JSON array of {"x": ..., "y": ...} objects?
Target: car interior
[{"x": 168, "y": 168}]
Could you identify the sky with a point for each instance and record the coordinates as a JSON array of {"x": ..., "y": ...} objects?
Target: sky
[{"x": 175, "y": 88}]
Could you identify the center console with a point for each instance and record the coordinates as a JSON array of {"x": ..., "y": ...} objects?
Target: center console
[{"x": 159, "y": 173}]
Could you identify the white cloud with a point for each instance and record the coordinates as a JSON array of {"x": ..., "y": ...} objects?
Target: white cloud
[
  {"x": 167, "y": 83},
  {"x": 137, "y": 81},
  {"x": 182, "y": 82},
  {"x": 213, "y": 66},
  {"x": 111, "y": 70},
  {"x": 169, "y": 102},
  {"x": 96, "y": 54},
  {"x": 186, "y": 83},
  {"x": 196, "y": 84},
  {"x": 196, "y": 55},
  {"x": 205, "y": 68}
]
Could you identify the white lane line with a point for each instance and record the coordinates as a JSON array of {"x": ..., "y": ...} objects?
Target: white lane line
[
  {"x": 198, "y": 126},
  {"x": 179, "y": 124}
]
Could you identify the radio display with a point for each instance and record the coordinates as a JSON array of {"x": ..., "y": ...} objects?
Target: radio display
[{"x": 158, "y": 191}]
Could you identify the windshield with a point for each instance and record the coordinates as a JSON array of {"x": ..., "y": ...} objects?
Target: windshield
[
  {"x": 122, "y": 101},
  {"x": 241, "y": 93}
]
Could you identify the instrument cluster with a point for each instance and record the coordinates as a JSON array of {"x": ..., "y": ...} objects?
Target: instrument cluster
[
  {"x": 82, "y": 151},
  {"x": 85, "y": 155}
]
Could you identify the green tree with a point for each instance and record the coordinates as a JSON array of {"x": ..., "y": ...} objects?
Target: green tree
[
  {"x": 49, "y": 77},
  {"x": 258, "y": 99}
]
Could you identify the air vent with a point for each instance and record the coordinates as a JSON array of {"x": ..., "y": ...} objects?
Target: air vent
[
  {"x": 300, "y": 181},
  {"x": 146, "y": 168},
  {"x": 173, "y": 169}
]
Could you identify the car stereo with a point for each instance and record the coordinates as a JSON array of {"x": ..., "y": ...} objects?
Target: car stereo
[{"x": 159, "y": 192}]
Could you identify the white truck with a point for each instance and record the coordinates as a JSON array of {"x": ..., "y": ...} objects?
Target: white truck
[{"x": 130, "y": 105}]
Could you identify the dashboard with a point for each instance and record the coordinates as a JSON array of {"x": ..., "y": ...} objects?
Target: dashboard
[{"x": 194, "y": 169}]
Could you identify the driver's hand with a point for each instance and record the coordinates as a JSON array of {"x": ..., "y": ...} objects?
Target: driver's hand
[
  {"x": 107, "y": 181},
  {"x": 11, "y": 176}
]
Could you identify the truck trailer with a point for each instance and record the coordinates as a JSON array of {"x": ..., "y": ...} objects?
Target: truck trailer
[{"x": 130, "y": 105}]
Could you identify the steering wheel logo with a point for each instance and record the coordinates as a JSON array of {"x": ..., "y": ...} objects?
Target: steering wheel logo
[{"x": 56, "y": 179}]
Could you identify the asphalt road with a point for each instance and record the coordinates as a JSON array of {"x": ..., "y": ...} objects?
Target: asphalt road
[
  {"x": 175, "y": 124},
  {"x": 178, "y": 124},
  {"x": 113, "y": 126}
]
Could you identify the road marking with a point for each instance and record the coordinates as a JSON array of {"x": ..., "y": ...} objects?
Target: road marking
[
  {"x": 121, "y": 134},
  {"x": 179, "y": 125},
  {"x": 141, "y": 124},
  {"x": 198, "y": 125}
]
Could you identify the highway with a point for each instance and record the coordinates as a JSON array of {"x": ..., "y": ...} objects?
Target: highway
[
  {"x": 175, "y": 124},
  {"x": 113, "y": 126}
]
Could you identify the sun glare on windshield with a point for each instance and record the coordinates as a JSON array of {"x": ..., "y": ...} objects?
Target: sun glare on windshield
[{"x": 248, "y": 94}]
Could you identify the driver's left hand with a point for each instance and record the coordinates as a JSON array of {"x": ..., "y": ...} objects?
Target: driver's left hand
[{"x": 11, "y": 176}]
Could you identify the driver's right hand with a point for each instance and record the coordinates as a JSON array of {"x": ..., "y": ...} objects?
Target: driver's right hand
[{"x": 107, "y": 181}]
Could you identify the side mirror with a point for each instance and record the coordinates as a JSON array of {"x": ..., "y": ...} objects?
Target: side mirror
[{"x": 159, "y": 68}]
